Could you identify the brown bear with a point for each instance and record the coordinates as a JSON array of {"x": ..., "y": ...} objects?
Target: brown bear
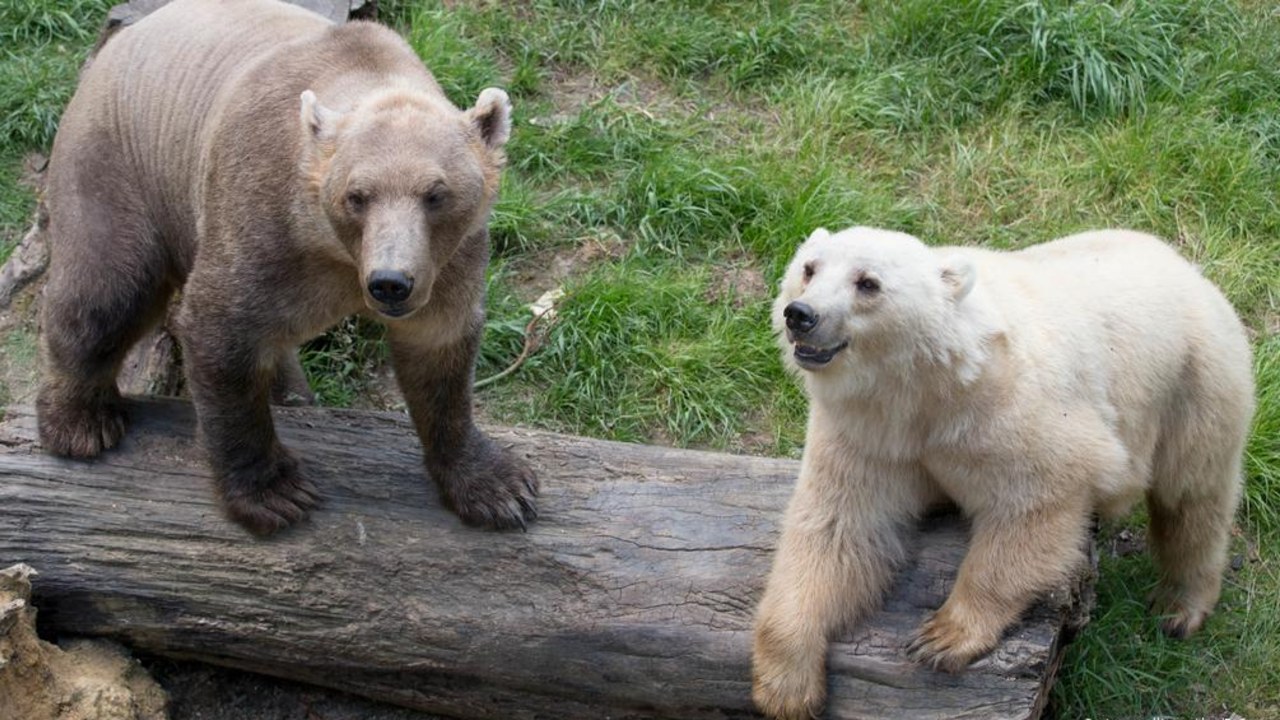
[{"x": 284, "y": 173}]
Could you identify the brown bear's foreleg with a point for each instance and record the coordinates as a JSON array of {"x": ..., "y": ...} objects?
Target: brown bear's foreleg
[
  {"x": 484, "y": 484},
  {"x": 841, "y": 538},
  {"x": 258, "y": 480},
  {"x": 109, "y": 282},
  {"x": 1012, "y": 560}
]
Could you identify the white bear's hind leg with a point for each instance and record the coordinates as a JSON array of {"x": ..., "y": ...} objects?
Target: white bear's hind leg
[
  {"x": 1195, "y": 486},
  {"x": 1189, "y": 534}
]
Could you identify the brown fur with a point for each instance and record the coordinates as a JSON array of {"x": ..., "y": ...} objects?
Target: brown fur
[{"x": 272, "y": 166}]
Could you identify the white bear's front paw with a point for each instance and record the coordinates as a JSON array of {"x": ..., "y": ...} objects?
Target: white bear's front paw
[
  {"x": 946, "y": 643},
  {"x": 789, "y": 693},
  {"x": 789, "y": 680}
]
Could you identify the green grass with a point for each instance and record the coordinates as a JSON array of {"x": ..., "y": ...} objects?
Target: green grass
[
  {"x": 341, "y": 362},
  {"x": 691, "y": 140},
  {"x": 42, "y": 44},
  {"x": 1262, "y": 454},
  {"x": 1123, "y": 667},
  {"x": 630, "y": 329},
  {"x": 18, "y": 352}
]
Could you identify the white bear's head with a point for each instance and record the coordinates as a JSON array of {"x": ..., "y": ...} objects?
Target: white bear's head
[
  {"x": 862, "y": 305},
  {"x": 407, "y": 181}
]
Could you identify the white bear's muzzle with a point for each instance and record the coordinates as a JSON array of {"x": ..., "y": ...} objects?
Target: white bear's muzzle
[{"x": 811, "y": 357}]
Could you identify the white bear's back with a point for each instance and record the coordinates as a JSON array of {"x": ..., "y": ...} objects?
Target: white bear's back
[
  {"x": 1121, "y": 288},
  {"x": 1117, "y": 323}
]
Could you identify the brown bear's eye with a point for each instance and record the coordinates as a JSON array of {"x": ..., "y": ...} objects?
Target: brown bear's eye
[
  {"x": 357, "y": 201},
  {"x": 867, "y": 285},
  {"x": 434, "y": 199},
  {"x": 808, "y": 271}
]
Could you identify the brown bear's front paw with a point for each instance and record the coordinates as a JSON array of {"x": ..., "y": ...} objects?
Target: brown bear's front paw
[
  {"x": 490, "y": 488},
  {"x": 80, "y": 429},
  {"x": 268, "y": 497},
  {"x": 946, "y": 644}
]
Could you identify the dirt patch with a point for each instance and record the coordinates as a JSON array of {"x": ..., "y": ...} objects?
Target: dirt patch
[
  {"x": 537, "y": 273},
  {"x": 740, "y": 285},
  {"x": 757, "y": 439},
  {"x": 1127, "y": 542},
  {"x": 571, "y": 90},
  {"x": 381, "y": 391},
  {"x": 84, "y": 680}
]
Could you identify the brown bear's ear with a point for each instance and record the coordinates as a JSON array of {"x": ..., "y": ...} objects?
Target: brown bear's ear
[
  {"x": 492, "y": 117},
  {"x": 319, "y": 121},
  {"x": 959, "y": 275}
]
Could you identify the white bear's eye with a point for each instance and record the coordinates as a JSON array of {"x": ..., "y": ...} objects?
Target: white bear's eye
[
  {"x": 868, "y": 285},
  {"x": 808, "y": 271}
]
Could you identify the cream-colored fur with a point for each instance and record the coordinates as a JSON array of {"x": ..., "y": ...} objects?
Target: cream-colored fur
[{"x": 1031, "y": 388}]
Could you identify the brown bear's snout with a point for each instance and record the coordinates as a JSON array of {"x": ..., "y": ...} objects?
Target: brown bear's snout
[
  {"x": 390, "y": 287},
  {"x": 801, "y": 318}
]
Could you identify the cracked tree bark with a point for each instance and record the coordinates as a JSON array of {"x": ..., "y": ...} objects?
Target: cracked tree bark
[{"x": 631, "y": 597}]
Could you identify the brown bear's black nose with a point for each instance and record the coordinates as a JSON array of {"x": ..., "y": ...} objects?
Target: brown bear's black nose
[
  {"x": 800, "y": 317},
  {"x": 390, "y": 286}
]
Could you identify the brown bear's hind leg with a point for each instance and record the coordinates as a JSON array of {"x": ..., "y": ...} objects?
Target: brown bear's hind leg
[
  {"x": 108, "y": 283},
  {"x": 290, "y": 385}
]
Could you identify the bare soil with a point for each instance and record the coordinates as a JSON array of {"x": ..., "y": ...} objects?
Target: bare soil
[{"x": 82, "y": 680}]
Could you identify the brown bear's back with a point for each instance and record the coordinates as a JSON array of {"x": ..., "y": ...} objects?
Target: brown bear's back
[{"x": 148, "y": 98}]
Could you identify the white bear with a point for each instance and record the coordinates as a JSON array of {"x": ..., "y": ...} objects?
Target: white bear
[{"x": 1030, "y": 388}]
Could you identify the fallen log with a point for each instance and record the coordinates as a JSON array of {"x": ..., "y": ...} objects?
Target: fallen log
[{"x": 630, "y": 597}]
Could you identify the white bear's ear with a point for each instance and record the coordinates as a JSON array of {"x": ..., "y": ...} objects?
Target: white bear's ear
[
  {"x": 492, "y": 117},
  {"x": 959, "y": 275},
  {"x": 319, "y": 121},
  {"x": 819, "y": 234}
]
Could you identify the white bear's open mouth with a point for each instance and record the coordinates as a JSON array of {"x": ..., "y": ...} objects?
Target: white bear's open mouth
[{"x": 810, "y": 356}]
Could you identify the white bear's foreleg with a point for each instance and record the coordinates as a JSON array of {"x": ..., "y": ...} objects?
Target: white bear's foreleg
[
  {"x": 841, "y": 538},
  {"x": 1012, "y": 560}
]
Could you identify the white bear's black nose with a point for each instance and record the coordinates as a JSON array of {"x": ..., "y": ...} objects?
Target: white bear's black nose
[
  {"x": 800, "y": 317},
  {"x": 390, "y": 286}
]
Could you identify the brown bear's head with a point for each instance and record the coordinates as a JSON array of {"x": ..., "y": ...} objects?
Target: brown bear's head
[{"x": 405, "y": 179}]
